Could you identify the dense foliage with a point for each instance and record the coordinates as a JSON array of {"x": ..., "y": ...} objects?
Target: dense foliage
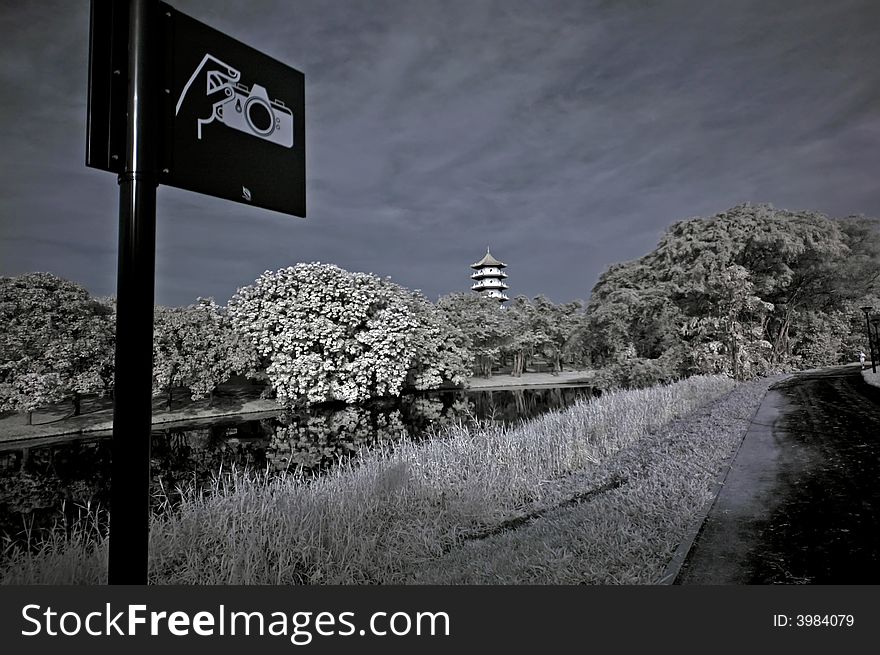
[
  {"x": 746, "y": 292},
  {"x": 540, "y": 327},
  {"x": 57, "y": 342},
  {"x": 517, "y": 333},
  {"x": 481, "y": 322},
  {"x": 327, "y": 334},
  {"x": 196, "y": 347},
  {"x": 751, "y": 290}
]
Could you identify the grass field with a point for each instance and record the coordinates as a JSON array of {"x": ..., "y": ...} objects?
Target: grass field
[{"x": 600, "y": 492}]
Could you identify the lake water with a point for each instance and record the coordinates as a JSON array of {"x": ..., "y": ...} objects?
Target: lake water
[{"x": 36, "y": 483}]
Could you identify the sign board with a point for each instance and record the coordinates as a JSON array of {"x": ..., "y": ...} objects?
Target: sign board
[
  {"x": 231, "y": 119},
  {"x": 108, "y": 66}
]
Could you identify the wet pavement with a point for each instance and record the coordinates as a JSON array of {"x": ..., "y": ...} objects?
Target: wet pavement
[{"x": 801, "y": 502}]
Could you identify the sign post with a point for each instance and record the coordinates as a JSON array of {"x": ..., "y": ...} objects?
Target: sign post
[
  {"x": 176, "y": 102},
  {"x": 132, "y": 400}
]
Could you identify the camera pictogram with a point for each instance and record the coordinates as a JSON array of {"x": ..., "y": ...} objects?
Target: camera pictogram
[{"x": 247, "y": 109}]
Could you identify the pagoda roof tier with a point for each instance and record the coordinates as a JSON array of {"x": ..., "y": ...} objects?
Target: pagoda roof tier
[
  {"x": 481, "y": 274},
  {"x": 482, "y": 285},
  {"x": 488, "y": 260}
]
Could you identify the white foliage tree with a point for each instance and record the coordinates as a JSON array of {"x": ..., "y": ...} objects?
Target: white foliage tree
[
  {"x": 196, "y": 347},
  {"x": 327, "y": 334},
  {"x": 56, "y": 344}
]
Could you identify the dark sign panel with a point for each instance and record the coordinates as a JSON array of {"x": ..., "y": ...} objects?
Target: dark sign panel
[
  {"x": 231, "y": 119},
  {"x": 108, "y": 67}
]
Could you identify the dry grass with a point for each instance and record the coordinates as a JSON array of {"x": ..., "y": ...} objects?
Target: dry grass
[
  {"x": 393, "y": 515},
  {"x": 628, "y": 534}
]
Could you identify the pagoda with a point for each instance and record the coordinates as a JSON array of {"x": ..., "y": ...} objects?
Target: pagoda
[{"x": 489, "y": 278}]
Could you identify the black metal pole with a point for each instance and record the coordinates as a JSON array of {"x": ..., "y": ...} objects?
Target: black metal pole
[
  {"x": 875, "y": 342},
  {"x": 870, "y": 338},
  {"x": 132, "y": 406}
]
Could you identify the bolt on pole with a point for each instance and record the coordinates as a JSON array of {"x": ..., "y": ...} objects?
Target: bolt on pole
[{"x": 132, "y": 406}]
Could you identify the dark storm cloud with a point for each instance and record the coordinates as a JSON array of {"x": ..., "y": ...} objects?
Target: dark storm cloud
[{"x": 565, "y": 135}]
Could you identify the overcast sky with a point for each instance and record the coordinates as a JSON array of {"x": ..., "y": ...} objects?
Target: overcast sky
[{"x": 565, "y": 135}]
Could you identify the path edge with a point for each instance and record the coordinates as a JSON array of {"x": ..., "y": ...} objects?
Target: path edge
[{"x": 673, "y": 567}]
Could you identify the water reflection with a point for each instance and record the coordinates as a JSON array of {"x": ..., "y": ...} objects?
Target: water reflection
[{"x": 36, "y": 483}]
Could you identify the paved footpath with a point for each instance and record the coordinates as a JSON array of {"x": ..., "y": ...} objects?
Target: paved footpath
[{"x": 801, "y": 501}]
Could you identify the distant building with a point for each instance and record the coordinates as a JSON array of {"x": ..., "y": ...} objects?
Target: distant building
[{"x": 489, "y": 278}]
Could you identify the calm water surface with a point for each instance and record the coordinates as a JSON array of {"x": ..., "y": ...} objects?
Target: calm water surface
[{"x": 45, "y": 485}]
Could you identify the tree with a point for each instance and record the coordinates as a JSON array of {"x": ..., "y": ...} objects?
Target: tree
[
  {"x": 555, "y": 327},
  {"x": 727, "y": 338},
  {"x": 482, "y": 322},
  {"x": 439, "y": 348},
  {"x": 169, "y": 355},
  {"x": 522, "y": 338},
  {"x": 57, "y": 344},
  {"x": 633, "y": 313},
  {"x": 744, "y": 292},
  {"x": 327, "y": 334},
  {"x": 198, "y": 348},
  {"x": 25, "y": 390},
  {"x": 216, "y": 350}
]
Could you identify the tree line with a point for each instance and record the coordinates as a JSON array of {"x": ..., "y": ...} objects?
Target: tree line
[
  {"x": 748, "y": 292},
  {"x": 744, "y": 293}
]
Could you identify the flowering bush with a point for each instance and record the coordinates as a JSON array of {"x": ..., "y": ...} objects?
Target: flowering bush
[{"x": 328, "y": 334}]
